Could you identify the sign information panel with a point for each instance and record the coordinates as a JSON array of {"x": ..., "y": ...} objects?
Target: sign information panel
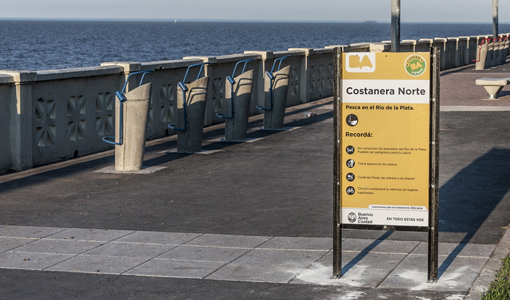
[{"x": 385, "y": 115}]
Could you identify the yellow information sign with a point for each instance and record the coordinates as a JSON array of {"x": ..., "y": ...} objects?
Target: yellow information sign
[{"x": 385, "y": 138}]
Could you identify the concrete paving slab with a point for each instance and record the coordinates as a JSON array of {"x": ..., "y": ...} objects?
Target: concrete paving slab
[
  {"x": 29, "y": 231},
  {"x": 98, "y": 235},
  {"x": 265, "y": 272},
  {"x": 481, "y": 285},
  {"x": 298, "y": 243},
  {"x": 359, "y": 269},
  {"x": 98, "y": 264},
  {"x": 172, "y": 238},
  {"x": 491, "y": 268},
  {"x": 288, "y": 258},
  {"x": 130, "y": 250},
  {"x": 144, "y": 171},
  {"x": 58, "y": 246},
  {"x": 475, "y": 108},
  {"x": 481, "y": 250},
  {"x": 387, "y": 246},
  {"x": 176, "y": 268},
  {"x": 186, "y": 252},
  {"x": 223, "y": 240},
  {"x": 458, "y": 275},
  {"x": 7, "y": 244},
  {"x": 30, "y": 261}
]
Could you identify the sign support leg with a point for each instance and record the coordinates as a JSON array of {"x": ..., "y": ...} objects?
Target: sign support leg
[
  {"x": 337, "y": 230},
  {"x": 434, "y": 168}
]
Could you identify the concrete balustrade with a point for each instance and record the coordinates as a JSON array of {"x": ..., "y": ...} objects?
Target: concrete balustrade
[{"x": 48, "y": 116}]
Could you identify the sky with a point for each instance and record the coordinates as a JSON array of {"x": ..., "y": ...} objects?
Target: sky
[{"x": 456, "y": 11}]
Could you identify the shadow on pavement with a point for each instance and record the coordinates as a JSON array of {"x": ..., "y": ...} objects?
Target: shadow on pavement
[{"x": 467, "y": 200}]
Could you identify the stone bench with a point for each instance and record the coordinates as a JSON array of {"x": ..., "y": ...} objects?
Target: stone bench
[{"x": 493, "y": 85}]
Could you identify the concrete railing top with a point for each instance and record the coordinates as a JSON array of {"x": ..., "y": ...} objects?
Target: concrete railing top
[
  {"x": 4, "y": 78},
  {"x": 322, "y": 51},
  {"x": 332, "y": 47},
  {"x": 170, "y": 64},
  {"x": 233, "y": 58},
  {"x": 20, "y": 76},
  {"x": 76, "y": 73},
  {"x": 288, "y": 52}
]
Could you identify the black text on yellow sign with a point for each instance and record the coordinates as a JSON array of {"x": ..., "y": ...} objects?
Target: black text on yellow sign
[{"x": 385, "y": 139}]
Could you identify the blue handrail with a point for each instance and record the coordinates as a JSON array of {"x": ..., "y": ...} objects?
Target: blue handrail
[
  {"x": 122, "y": 99},
  {"x": 232, "y": 82},
  {"x": 184, "y": 89},
  {"x": 271, "y": 77}
]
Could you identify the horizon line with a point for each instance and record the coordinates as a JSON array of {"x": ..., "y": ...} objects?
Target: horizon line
[{"x": 228, "y": 20}]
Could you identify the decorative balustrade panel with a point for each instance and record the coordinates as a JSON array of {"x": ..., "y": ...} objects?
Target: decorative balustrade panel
[
  {"x": 450, "y": 54},
  {"x": 163, "y": 103},
  {"x": 461, "y": 52},
  {"x": 7, "y": 93},
  {"x": 320, "y": 75},
  {"x": 71, "y": 116},
  {"x": 294, "y": 61}
]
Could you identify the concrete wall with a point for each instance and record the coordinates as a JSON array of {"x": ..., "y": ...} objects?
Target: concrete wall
[{"x": 48, "y": 116}]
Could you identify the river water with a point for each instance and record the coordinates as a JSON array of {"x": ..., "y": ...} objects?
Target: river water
[{"x": 43, "y": 45}]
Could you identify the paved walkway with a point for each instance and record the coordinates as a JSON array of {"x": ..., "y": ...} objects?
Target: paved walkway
[
  {"x": 254, "y": 220},
  {"x": 294, "y": 260}
]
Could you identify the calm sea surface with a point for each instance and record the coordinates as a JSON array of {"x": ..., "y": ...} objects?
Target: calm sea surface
[{"x": 42, "y": 45}]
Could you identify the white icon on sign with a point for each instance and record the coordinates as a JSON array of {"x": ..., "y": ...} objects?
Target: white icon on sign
[{"x": 360, "y": 62}]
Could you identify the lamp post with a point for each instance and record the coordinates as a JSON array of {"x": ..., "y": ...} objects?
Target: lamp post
[
  {"x": 495, "y": 6},
  {"x": 395, "y": 25}
]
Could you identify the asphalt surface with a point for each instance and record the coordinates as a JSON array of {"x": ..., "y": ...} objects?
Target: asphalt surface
[{"x": 280, "y": 185}]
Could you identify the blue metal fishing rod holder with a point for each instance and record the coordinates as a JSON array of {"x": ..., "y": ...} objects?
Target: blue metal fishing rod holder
[
  {"x": 122, "y": 98},
  {"x": 272, "y": 77},
  {"x": 185, "y": 89},
  {"x": 232, "y": 82}
]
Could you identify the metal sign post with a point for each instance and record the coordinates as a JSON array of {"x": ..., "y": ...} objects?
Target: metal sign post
[
  {"x": 495, "y": 18},
  {"x": 386, "y": 145},
  {"x": 395, "y": 25}
]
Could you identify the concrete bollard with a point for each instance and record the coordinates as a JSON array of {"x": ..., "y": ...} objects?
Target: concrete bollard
[
  {"x": 481, "y": 56},
  {"x": 236, "y": 128},
  {"x": 273, "y": 119},
  {"x": 129, "y": 155},
  {"x": 192, "y": 120}
]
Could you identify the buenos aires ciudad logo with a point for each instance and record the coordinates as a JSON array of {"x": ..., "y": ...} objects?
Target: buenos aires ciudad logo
[{"x": 415, "y": 65}]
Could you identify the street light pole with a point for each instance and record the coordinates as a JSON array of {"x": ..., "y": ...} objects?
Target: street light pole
[
  {"x": 395, "y": 25},
  {"x": 495, "y": 6}
]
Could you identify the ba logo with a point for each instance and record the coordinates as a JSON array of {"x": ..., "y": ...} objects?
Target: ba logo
[
  {"x": 415, "y": 65},
  {"x": 351, "y": 217},
  {"x": 360, "y": 62}
]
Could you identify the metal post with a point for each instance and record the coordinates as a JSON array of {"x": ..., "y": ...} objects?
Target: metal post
[
  {"x": 395, "y": 25},
  {"x": 337, "y": 231},
  {"x": 495, "y": 18},
  {"x": 434, "y": 167}
]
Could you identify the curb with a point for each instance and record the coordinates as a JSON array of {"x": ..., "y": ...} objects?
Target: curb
[{"x": 481, "y": 284}]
